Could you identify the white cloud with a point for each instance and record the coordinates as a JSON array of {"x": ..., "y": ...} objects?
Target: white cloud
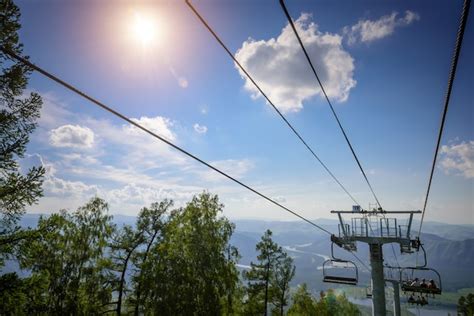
[
  {"x": 367, "y": 31},
  {"x": 281, "y": 70},
  {"x": 458, "y": 159},
  {"x": 73, "y": 136},
  {"x": 54, "y": 186},
  {"x": 200, "y": 129},
  {"x": 158, "y": 125}
]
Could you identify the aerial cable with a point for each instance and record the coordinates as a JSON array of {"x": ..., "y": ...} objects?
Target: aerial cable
[
  {"x": 282, "y": 3},
  {"x": 275, "y": 108},
  {"x": 452, "y": 74},
  {"x": 138, "y": 125},
  {"x": 123, "y": 117},
  {"x": 268, "y": 99}
]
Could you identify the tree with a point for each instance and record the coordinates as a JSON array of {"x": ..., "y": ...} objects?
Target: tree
[
  {"x": 193, "y": 271},
  {"x": 303, "y": 303},
  {"x": 466, "y": 305},
  {"x": 338, "y": 305},
  {"x": 18, "y": 116},
  {"x": 261, "y": 274},
  {"x": 151, "y": 224},
  {"x": 280, "y": 285},
  {"x": 70, "y": 255},
  {"x": 124, "y": 243}
]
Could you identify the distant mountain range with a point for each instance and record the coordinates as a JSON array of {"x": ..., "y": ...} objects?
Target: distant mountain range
[{"x": 450, "y": 249}]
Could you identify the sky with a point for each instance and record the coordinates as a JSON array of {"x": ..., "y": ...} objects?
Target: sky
[{"x": 384, "y": 65}]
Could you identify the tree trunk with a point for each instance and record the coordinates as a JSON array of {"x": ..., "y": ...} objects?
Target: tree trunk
[
  {"x": 267, "y": 277},
  {"x": 137, "y": 302},
  {"x": 122, "y": 280}
]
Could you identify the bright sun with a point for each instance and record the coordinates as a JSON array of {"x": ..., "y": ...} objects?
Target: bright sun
[{"x": 144, "y": 29}]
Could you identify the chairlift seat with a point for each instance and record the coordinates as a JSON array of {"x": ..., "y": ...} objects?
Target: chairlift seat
[
  {"x": 419, "y": 289},
  {"x": 339, "y": 280}
]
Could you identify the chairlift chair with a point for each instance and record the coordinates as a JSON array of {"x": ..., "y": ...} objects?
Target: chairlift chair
[
  {"x": 336, "y": 263},
  {"x": 407, "y": 286}
]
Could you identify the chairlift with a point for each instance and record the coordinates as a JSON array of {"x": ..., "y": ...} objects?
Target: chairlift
[
  {"x": 415, "y": 285},
  {"x": 422, "y": 286},
  {"x": 338, "y": 264}
]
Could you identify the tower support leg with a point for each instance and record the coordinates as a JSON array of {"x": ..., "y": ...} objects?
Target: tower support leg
[
  {"x": 378, "y": 282},
  {"x": 396, "y": 297}
]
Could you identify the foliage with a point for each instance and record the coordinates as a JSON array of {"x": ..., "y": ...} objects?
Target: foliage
[
  {"x": 466, "y": 305},
  {"x": 303, "y": 303},
  {"x": 70, "y": 255},
  {"x": 329, "y": 304},
  {"x": 18, "y": 115},
  {"x": 268, "y": 278},
  {"x": 194, "y": 268}
]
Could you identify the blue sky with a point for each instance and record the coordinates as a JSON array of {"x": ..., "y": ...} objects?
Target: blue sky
[{"x": 384, "y": 64}]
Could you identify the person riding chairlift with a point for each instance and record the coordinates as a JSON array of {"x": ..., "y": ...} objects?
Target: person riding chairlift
[
  {"x": 423, "y": 284},
  {"x": 432, "y": 286},
  {"x": 415, "y": 282}
]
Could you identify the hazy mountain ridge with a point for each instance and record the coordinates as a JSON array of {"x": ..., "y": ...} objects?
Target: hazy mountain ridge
[{"x": 453, "y": 257}]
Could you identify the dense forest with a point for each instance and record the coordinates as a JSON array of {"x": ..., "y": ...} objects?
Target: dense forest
[{"x": 173, "y": 261}]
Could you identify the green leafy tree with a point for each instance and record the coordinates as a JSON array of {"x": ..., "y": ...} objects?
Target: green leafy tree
[
  {"x": 261, "y": 274},
  {"x": 303, "y": 303},
  {"x": 124, "y": 243},
  {"x": 338, "y": 305},
  {"x": 151, "y": 225},
  {"x": 466, "y": 305},
  {"x": 70, "y": 254},
  {"x": 18, "y": 119},
  {"x": 193, "y": 269},
  {"x": 22, "y": 296}
]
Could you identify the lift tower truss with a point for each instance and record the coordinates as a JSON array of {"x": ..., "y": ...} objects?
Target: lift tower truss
[{"x": 375, "y": 228}]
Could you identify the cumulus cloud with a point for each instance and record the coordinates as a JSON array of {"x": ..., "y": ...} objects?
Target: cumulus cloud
[
  {"x": 200, "y": 129},
  {"x": 73, "y": 136},
  {"x": 158, "y": 125},
  {"x": 458, "y": 159},
  {"x": 279, "y": 67},
  {"x": 367, "y": 31}
]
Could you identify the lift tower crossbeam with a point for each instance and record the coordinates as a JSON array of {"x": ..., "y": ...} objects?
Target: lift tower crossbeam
[{"x": 376, "y": 228}]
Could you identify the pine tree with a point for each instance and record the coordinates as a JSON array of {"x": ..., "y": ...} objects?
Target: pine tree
[{"x": 18, "y": 119}]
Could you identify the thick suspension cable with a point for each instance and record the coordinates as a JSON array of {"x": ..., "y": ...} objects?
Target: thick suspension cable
[
  {"x": 123, "y": 117},
  {"x": 231, "y": 55},
  {"x": 282, "y": 3},
  {"x": 452, "y": 75}
]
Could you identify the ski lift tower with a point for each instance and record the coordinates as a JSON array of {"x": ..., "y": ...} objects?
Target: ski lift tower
[{"x": 375, "y": 228}]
